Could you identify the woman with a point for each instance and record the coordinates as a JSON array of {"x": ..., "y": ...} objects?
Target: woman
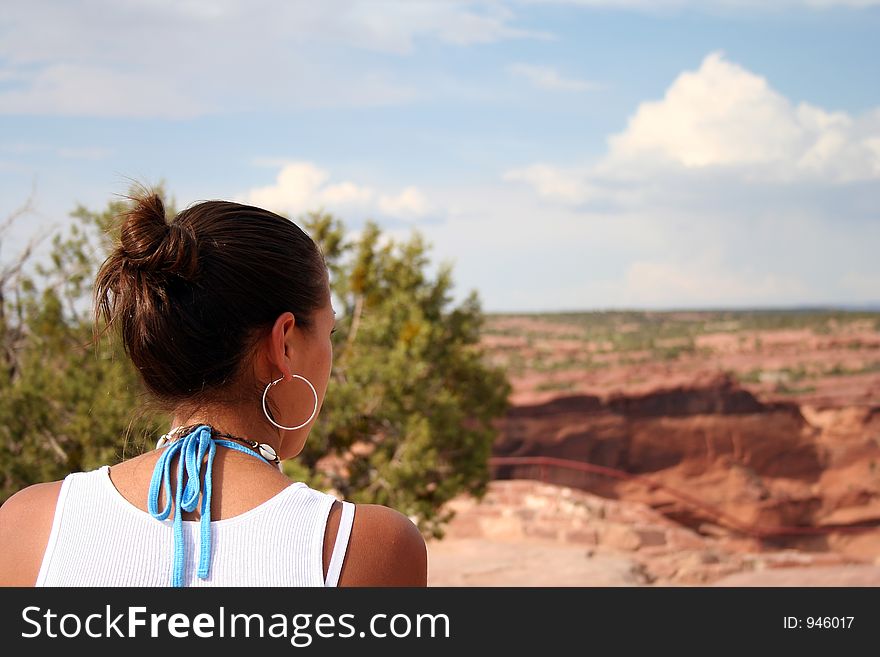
[{"x": 226, "y": 313}]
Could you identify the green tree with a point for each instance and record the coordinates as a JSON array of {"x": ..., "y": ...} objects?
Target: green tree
[
  {"x": 408, "y": 417},
  {"x": 64, "y": 405}
]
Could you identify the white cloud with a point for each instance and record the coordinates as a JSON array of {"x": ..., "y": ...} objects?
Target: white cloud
[
  {"x": 720, "y": 114},
  {"x": 297, "y": 186},
  {"x": 393, "y": 26},
  {"x": 545, "y": 77},
  {"x": 345, "y": 193},
  {"x": 725, "y": 116},
  {"x": 303, "y": 186},
  {"x": 568, "y": 186},
  {"x": 75, "y": 90},
  {"x": 410, "y": 203},
  {"x": 181, "y": 59},
  {"x": 45, "y": 30},
  {"x": 719, "y": 125}
]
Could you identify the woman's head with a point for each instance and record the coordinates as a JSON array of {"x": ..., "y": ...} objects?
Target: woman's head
[{"x": 216, "y": 303}]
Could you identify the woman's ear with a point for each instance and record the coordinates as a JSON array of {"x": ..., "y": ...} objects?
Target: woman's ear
[{"x": 278, "y": 353}]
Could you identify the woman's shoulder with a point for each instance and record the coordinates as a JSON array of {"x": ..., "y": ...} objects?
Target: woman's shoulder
[
  {"x": 25, "y": 524},
  {"x": 30, "y": 504},
  {"x": 385, "y": 548}
]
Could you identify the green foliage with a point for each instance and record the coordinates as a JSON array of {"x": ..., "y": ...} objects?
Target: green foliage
[
  {"x": 752, "y": 376},
  {"x": 408, "y": 417},
  {"x": 785, "y": 389},
  {"x": 637, "y": 330},
  {"x": 64, "y": 405},
  {"x": 409, "y": 407},
  {"x": 556, "y": 385}
]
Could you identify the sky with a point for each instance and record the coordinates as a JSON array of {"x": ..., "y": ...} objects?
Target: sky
[{"x": 562, "y": 155}]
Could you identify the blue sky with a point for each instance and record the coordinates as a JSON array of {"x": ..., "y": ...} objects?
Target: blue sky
[{"x": 564, "y": 155}]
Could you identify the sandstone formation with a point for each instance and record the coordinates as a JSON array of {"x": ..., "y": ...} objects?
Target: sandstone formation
[{"x": 762, "y": 465}]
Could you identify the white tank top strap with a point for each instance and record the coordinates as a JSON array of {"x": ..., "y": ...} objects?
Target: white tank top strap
[
  {"x": 341, "y": 544},
  {"x": 54, "y": 532}
]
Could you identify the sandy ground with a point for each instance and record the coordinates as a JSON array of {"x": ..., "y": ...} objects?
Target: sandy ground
[{"x": 527, "y": 533}]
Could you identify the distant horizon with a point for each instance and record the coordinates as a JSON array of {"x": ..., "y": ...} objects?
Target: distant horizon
[{"x": 855, "y": 308}]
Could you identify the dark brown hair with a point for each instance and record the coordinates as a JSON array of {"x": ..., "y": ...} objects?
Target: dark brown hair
[{"x": 194, "y": 295}]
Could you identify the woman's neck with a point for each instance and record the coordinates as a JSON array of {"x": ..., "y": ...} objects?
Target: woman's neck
[{"x": 235, "y": 425}]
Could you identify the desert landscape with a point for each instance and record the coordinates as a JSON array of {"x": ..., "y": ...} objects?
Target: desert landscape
[{"x": 728, "y": 448}]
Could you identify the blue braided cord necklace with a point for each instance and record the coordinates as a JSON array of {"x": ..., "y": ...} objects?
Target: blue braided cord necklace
[{"x": 193, "y": 447}]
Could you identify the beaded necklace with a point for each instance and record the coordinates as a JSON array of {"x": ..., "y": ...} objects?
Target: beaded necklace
[{"x": 264, "y": 449}]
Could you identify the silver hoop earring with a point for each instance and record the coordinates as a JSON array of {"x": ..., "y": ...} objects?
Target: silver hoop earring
[{"x": 266, "y": 411}]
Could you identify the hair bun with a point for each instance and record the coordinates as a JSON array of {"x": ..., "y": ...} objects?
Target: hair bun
[{"x": 150, "y": 244}]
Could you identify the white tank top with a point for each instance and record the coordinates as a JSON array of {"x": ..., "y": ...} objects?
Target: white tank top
[{"x": 99, "y": 538}]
